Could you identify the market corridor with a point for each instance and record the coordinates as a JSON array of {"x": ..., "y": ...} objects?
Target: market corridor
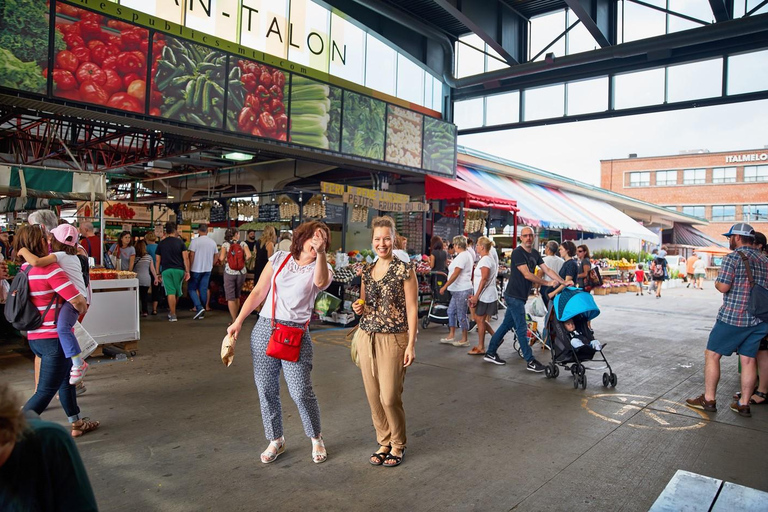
[{"x": 182, "y": 433}]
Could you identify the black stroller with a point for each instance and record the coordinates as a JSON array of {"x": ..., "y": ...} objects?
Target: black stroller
[
  {"x": 579, "y": 306},
  {"x": 438, "y": 307}
]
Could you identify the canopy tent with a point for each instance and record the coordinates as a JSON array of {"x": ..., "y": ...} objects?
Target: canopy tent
[
  {"x": 27, "y": 182},
  {"x": 16, "y": 204},
  {"x": 470, "y": 195},
  {"x": 552, "y": 208},
  {"x": 715, "y": 250}
]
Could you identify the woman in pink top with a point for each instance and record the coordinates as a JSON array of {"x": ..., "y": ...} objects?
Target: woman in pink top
[
  {"x": 48, "y": 285},
  {"x": 302, "y": 274}
]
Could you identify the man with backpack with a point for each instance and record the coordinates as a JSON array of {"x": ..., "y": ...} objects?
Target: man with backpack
[
  {"x": 234, "y": 254},
  {"x": 175, "y": 260},
  {"x": 736, "y": 329}
]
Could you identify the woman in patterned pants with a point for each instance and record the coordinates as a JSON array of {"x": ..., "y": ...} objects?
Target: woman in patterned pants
[{"x": 301, "y": 274}]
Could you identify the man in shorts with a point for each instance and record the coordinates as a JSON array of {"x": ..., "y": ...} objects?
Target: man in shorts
[
  {"x": 175, "y": 260},
  {"x": 735, "y": 329}
]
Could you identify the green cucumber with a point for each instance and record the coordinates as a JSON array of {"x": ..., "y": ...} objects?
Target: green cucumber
[
  {"x": 180, "y": 80},
  {"x": 190, "y": 90},
  {"x": 231, "y": 125},
  {"x": 199, "y": 90},
  {"x": 174, "y": 109},
  {"x": 207, "y": 97},
  {"x": 168, "y": 55},
  {"x": 206, "y": 66},
  {"x": 217, "y": 112},
  {"x": 217, "y": 89},
  {"x": 195, "y": 119},
  {"x": 235, "y": 73},
  {"x": 188, "y": 63}
]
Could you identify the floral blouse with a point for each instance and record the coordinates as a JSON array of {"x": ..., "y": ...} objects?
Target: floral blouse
[{"x": 385, "y": 299}]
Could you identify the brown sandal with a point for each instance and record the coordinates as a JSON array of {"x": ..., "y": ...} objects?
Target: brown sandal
[{"x": 86, "y": 426}]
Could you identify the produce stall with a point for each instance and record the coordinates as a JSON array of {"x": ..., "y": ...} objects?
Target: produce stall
[{"x": 113, "y": 316}]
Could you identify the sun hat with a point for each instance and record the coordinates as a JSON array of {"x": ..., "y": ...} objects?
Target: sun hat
[
  {"x": 66, "y": 234},
  {"x": 742, "y": 229}
]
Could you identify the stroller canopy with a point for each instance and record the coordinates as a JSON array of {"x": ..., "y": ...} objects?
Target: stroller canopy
[{"x": 574, "y": 301}]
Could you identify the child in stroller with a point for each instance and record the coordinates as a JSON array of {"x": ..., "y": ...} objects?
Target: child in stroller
[{"x": 571, "y": 338}]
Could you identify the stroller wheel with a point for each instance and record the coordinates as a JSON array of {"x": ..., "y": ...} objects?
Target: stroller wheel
[
  {"x": 584, "y": 381},
  {"x": 606, "y": 380},
  {"x": 548, "y": 371},
  {"x": 555, "y": 371},
  {"x": 575, "y": 381},
  {"x": 425, "y": 322},
  {"x": 614, "y": 380}
]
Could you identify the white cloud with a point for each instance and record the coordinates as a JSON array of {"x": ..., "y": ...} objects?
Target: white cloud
[{"x": 575, "y": 149}]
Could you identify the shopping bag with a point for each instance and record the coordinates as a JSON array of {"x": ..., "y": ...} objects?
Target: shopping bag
[
  {"x": 325, "y": 303},
  {"x": 227, "y": 350},
  {"x": 537, "y": 307},
  {"x": 85, "y": 340}
]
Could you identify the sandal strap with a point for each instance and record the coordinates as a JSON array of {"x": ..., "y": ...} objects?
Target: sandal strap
[{"x": 762, "y": 395}]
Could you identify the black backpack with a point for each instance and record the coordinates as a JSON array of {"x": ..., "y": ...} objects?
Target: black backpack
[
  {"x": 20, "y": 312},
  {"x": 85, "y": 268}
]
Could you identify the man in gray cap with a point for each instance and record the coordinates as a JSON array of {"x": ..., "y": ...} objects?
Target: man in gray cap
[{"x": 735, "y": 329}]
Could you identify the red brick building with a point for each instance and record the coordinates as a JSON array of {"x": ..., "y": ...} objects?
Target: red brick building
[{"x": 722, "y": 187}]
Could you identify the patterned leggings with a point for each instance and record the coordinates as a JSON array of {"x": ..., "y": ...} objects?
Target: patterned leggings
[
  {"x": 457, "y": 310},
  {"x": 266, "y": 373}
]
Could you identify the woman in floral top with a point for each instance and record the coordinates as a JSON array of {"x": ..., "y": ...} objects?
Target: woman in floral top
[{"x": 386, "y": 339}]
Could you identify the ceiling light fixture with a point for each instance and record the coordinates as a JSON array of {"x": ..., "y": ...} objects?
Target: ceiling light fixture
[{"x": 238, "y": 157}]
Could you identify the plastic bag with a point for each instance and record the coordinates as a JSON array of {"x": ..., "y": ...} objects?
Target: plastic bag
[
  {"x": 537, "y": 307},
  {"x": 342, "y": 260},
  {"x": 85, "y": 340},
  {"x": 325, "y": 304}
]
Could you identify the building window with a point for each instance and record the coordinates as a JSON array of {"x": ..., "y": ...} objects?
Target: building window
[
  {"x": 756, "y": 173},
  {"x": 755, "y": 212},
  {"x": 694, "y": 176},
  {"x": 723, "y": 213},
  {"x": 724, "y": 175},
  {"x": 639, "y": 179},
  {"x": 696, "y": 211},
  {"x": 666, "y": 177}
]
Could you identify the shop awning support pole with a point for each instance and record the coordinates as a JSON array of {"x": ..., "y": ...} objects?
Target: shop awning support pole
[
  {"x": 488, "y": 224},
  {"x": 344, "y": 229},
  {"x": 514, "y": 230},
  {"x": 461, "y": 219},
  {"x": 424, "y": 243},
  {"x": 101, "y": 231}
]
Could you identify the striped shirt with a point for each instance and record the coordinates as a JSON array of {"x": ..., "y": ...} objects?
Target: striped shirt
[{"x": 44, "y": 283}]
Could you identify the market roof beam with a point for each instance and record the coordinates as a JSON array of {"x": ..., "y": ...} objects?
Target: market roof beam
[
  {"x": 722, "y": 9},
  {"x": 598, "y": 17}
]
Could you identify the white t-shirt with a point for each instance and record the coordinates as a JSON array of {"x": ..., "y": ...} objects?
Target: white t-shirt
[
  {"x": 489, "y": 294},
  {"x": 472, "y": 253},
  {"x": 296, "y": 290},
  {"x": 699, "y": 267},
  {"x": 205, "y": 250},
  {"x": 555, "y": 263},
  {"x": 71, "y": 266},
  {"x": 462, "y": 260}
]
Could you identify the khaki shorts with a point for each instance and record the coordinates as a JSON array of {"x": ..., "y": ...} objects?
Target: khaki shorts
[{"x": 233, "y": 286}]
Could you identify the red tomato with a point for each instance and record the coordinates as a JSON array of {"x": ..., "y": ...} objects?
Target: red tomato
[
  {"x": 100, "y": 53},
  {"x": 90, "y": 29},
  {"x": 114, "y": 83},
  {"x": 90, "y": 71},
  {"x": 130, "y": 39},
  {"x": 93, "y": 92},
  {"x": 93, "y": 44},
  {"x": 72, "y": 28},
  {"x": 138, "y": 89},
  {"x": 67, "y": 60},
  {"x": 129, "y": 79},
  {"x": 129, "y": 62},
  {"x": 154, "y": 111},
  {"x": 73, "y": 40},
  {"x": 69, "y": 95},
  {"x": 110, "y": 63},
  {"x": 69, "y": 10},
  {"x": 92, "y": 16},
  {"x": 83, "y": 54},
  {"x": 123, "y": 101},
  {"x": 64, "y": 80}
]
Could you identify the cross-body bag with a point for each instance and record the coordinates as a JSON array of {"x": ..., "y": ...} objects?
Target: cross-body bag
[
  {"x": 285, "y": 342},
  {"x": 758, "y": 295}
]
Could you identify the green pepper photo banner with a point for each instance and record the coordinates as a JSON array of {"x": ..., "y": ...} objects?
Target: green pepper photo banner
[{"x": 52, "y": 184}]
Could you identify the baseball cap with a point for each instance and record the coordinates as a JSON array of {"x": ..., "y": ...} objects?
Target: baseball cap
[
  {"x": 66, "y": 234},
  {"x": 741, "y": 228}
]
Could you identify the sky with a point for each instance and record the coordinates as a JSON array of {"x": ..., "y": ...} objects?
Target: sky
[{"x": 575, "y": 149}]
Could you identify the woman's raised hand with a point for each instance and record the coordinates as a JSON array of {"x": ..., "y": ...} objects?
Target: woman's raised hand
[{"x": 319, "y": 241}]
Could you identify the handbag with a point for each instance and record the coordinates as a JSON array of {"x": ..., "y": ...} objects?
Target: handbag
[
  {"x": 285, "y": 341},
  {"x": 758, "y": 295}
]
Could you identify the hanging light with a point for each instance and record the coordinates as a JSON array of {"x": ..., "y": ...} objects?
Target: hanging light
[{"x": 301, "y": 196}]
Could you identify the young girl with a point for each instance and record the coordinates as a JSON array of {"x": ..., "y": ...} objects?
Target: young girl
[
  {"x": 145, "y": 268},
  {"x": 64, "y": 245}
]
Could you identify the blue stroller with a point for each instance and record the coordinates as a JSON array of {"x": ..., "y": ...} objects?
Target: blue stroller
[{"x": 579, "y": 307}]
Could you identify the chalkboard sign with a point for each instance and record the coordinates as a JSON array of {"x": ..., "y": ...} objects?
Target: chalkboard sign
[
  {"x": 218, "y": 214},
  {"x": 334, "y": 214},
  {"x": 446, "y": 227},
  {"x": 269, "y": 213}
]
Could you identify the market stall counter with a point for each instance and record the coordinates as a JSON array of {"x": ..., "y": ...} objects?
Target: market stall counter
[{"x": 113, "y": 316}]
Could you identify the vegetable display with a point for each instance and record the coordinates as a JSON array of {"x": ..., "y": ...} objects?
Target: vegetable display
[
  {"x": 104, "y": 60},
  {"x": 24, "y": 44},
  {"x": 404, "y": 136},
  {"x": 363, "y": 126},
  {"x": 256, "y": 100},
  {"x": 315, "y": 113},
  {"x": 188, "y": 84},
  {"x": 439, "y": 146}
]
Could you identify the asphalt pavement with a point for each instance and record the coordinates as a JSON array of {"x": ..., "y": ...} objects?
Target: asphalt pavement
[{"x": 180, "y": 432}]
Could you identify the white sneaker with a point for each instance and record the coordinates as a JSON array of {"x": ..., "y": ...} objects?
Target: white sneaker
[
  {"x": 459, "y": 343},
  {"x": 447, "y": 341},
  {"x": 77, "y": 373}
]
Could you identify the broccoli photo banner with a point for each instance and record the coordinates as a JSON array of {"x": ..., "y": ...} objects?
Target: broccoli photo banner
[{"x": 109, "y": 56}]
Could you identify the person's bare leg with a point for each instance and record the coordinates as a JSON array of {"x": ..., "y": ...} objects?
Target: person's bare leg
[
  {"x": 490, "y": 330},
  {"x": 154, "y": 307},
  {"x": 464, "y": 336},
  {"x": 481, "y": 323},
  {"x": 712, "y": 374},
  {"x": 748, "y": 377},
  {"x": 762, "y": 368},
  {"x": 451, "y": 333},
  {"x": 172, "y": 304},
  {"x": 234, "y": 308}
]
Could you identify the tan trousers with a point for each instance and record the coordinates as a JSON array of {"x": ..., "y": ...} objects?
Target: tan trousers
[{"x": 381, "y": 363}]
